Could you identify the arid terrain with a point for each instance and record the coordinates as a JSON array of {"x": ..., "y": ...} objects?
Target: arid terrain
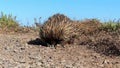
[
  {"x": 24, "y": 51},
  {"x": 85, "y": 43}
]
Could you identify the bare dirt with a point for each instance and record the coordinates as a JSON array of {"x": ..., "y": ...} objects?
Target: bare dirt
[{"x": 24, "y": 51}]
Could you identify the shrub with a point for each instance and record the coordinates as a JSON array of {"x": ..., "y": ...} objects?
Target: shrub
[
  {"x": 111, "y": 25},
  {"x": 8, "y": 20}
]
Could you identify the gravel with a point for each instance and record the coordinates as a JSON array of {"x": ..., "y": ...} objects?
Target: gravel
[{"x": 15, "y": 52}]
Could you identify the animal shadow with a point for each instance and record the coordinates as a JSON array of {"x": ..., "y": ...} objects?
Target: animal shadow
[{"x": 37, "y": 41}]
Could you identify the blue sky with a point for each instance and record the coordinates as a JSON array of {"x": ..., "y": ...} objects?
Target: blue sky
[{"x": 27, "y": 10}]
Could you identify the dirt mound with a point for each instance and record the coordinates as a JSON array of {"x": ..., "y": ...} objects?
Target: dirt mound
[
  {"x": 106, "y": 45},
  {"x": 101, "y": 42},
  {"x": 87, "y": 26}
]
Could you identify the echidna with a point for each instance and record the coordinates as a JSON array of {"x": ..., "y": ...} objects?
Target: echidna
[
  {"x": 57, "y": 30},
  {"x": 56, "y": 18}
]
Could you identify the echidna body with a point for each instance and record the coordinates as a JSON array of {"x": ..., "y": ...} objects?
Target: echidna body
[
  {"x": 53, "y": 32},
  {"x": 56, "y": 18}
]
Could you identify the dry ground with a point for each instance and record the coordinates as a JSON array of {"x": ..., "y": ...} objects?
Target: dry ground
[{"x": 15, "y": 52}]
